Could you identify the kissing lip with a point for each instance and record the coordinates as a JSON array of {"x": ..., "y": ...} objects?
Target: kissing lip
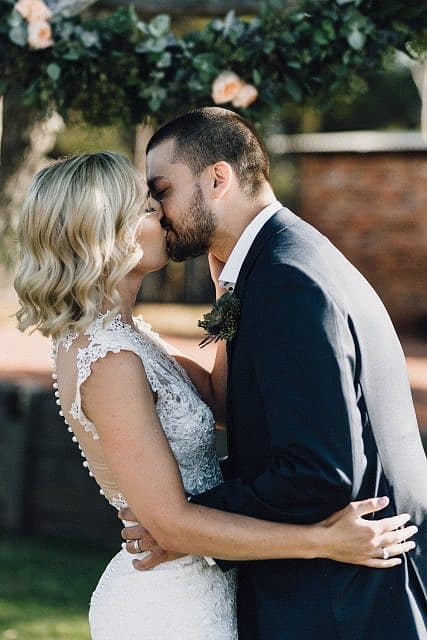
[{"x": 168, "y": 243}]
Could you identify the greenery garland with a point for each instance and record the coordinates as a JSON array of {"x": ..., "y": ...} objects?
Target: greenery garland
[{"x": 120, "y": 69}]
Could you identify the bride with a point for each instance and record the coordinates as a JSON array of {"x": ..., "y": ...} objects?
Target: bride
[{"x": 141, "y": 413}]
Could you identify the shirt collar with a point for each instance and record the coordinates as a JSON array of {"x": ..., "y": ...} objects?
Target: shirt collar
[{"x": 230, "y": 273}]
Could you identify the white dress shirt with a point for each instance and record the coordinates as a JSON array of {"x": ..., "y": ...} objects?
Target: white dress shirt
[{"x": 228, "y": 276}]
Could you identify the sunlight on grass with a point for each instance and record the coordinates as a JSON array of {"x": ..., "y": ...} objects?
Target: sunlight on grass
[
  {"x": 48, "y": 627},
  {"x": 45, "y": 588}
]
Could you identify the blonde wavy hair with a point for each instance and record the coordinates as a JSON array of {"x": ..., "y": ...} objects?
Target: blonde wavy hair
[{"x": 77, "y": 238}]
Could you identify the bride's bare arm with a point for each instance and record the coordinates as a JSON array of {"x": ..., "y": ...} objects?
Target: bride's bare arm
[{"x": 118, "y": 399}]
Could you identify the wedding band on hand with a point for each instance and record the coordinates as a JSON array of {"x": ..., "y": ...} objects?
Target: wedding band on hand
[
  {"x": 385, "y": 553},
  {"x": 136, "y": 546}
]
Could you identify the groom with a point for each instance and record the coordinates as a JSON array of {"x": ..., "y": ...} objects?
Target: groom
[{"x": 319, "y": 410}]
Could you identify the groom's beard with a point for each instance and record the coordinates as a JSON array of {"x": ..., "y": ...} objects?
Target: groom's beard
[{"x": 193, "y": 237}]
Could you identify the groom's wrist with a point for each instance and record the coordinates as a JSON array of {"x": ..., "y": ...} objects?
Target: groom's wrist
[{"x": 315, "y": 542}]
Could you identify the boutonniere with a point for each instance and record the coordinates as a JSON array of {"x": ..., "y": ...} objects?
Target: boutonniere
[{"x": 221, "y": 322}]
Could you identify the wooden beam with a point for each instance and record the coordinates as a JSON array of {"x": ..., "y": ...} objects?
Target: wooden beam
[
  {"x": 69, "y": 8},
  {"x": 189, "y": 7}
]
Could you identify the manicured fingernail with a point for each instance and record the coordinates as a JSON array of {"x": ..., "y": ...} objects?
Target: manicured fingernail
[{"x": 383, "y": 500}]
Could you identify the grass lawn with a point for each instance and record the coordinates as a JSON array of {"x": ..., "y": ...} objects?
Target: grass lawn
[{"x": 45, "y": 588}]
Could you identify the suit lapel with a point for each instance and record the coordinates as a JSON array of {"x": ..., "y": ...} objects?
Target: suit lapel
[{"x": 280, "y": 220}]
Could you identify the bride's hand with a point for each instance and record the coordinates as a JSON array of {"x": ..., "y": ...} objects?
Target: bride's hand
[
  {"x": 138, "y": 539},
  {"x": 372, "y": 543}
]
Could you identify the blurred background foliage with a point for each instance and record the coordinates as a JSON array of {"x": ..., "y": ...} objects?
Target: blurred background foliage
[{"x": 392, "y": 86}]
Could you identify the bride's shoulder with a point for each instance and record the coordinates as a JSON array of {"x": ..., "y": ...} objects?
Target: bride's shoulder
[
  {"x": 105, "y": 345},
  {"x": 102, "y": 336}
]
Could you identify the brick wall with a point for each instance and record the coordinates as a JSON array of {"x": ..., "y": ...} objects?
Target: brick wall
[{"x": 373, "y": 206}]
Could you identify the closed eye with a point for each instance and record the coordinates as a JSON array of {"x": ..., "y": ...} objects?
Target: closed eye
[{"x": 157, "y": 195}]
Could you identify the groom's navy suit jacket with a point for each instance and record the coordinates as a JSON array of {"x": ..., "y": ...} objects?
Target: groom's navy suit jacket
[{"x": 319, "y": 414}]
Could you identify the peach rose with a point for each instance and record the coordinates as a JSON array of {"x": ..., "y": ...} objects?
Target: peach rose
[
  {"x": 225, "y": 87},
  {"x": 33, "y": 10},
  {"x": 39, "y": 35},
  {"x": 247, "y": 94}
]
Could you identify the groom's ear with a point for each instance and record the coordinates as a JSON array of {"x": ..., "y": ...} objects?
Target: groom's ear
[{"x": 220, "y": 179}]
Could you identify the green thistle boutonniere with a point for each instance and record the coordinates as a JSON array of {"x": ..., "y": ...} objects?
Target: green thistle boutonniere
[{"x": 222, "y": 321}]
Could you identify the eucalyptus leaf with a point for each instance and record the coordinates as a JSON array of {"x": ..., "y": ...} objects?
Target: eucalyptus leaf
[
  {"x": 152, "y": 45},
  {"x": 257, "y": 77},
  {"x": 228, "y": 22},
  {"x": 356, "y": 39},
  {"x": 165, "y": 60},
  {"x": 204, "y": 62},
  {"x": 319, "y": 37},
  {"x": 18, "y": 34},
  {"x": 159, "y": 25},
  {"x": 15, "y": 19},
  {"x": 71, "y": 54},
  {"x": 89, "y": 38},
  {"x": 53, "y": 71}
]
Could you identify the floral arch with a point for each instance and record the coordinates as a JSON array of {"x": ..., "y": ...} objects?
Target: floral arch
[{"x": 118, "y": 68}]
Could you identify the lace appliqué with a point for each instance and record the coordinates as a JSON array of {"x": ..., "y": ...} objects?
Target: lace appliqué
[
  {"x": 118, "y": 502},
  {"x": 187, "y": 421}
]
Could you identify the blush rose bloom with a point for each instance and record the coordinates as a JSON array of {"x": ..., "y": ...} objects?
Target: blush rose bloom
[
  {"x": 33, "y": 10},
  {"x": 39, "y": 35},
  {"x": 225, "y": 87},
  {"x": 247, "y": 94}
]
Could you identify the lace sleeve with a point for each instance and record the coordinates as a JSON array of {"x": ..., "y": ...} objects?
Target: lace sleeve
[{"x": 113, "y": 339}]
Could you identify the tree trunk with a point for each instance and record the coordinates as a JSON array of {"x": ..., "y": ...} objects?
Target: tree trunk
[
  {"x": 419, "y": 75},
  {"x": 25, "y": 144}
]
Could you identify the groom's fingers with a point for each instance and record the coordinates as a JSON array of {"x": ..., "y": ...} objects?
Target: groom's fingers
[
  {"x": 378, "y": 563},
  {"x": 392, "y": 550},
  {"x": 398, "y": 536},
  {"x": 144, "y": 543},
  {"x": 398, "y": 549},
  {"x": 126, "y": 514},
  {"x": 155, "y": 558},
  {"x": 133, "y": 533},
  {"x": 390, "y": 524},
  {"x": 363, "y": 507}
]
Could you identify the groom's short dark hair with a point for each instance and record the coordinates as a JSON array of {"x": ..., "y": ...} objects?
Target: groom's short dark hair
[{"x": 211, "y": 134}]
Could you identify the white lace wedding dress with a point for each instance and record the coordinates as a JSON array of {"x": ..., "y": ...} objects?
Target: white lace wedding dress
[{"x": 185, "y": 599}]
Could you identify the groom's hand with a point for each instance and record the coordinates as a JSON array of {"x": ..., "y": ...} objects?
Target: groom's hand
[{"x": 138, "y": 539}]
